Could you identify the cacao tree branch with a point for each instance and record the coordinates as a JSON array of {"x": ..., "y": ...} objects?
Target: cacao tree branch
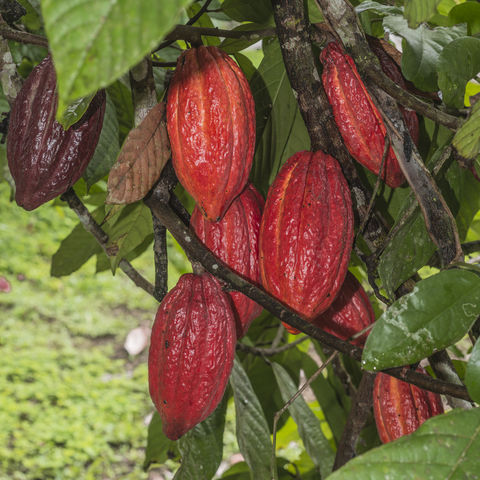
[
  {"x": 270, "y": 352},
  {"x": 22, "y": 37},
  {"x": 293, "y": 34},
  {"x": 11, "y": 81},
  {"x": 101, "y": 237},
  {"x": 361, "y": 405}
]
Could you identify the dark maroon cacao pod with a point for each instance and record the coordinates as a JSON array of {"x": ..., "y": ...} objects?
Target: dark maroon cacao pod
[
  {"x": 44, "y": 159},
  {"x": 234, "y": 240},
  {"x": 191, "y": 354},
  {"x": 400, "y": 408},
  {"x": 306, "y": 233},
  {"x": 358, "y": 119},
  {"x": 211, "y": 126}
]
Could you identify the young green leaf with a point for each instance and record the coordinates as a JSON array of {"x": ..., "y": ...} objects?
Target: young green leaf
[
  {"x": 467, "y": 140},
  {"x": 316, "y": 445},
  {"x": 472, "y": 374},
  {"x": 94, "y": 42},
  {"x": 253, "y": 434},
  {"x": 445, "y": 446},
  {"x": 437, "y": 313},
  {"x": 159, "y": 447}
]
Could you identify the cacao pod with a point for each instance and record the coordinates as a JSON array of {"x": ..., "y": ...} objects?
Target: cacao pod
[
  {"x": 44, "y": 159},
  {"x": 211, "y": 125},
  {"x": 306, "y": 233},
  {"x": 400, "y": 408},
  {"x": 234, "y": 240},
  {"x": 191, "y": 354},
  {"x": 358, "y": 119},
  {"x": 391, "y": 69}
]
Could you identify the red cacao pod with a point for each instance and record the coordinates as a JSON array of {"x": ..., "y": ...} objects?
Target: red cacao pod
[
  {"x": 211, "y": 125},
  {"x": 391, "y": 69},
  {"x": 192, "y": 347},
  {"x": 44, "y": 159},
  {"x": 358, "y": 119},
  {"x": 400, "y": 408},
  {"x": 234, "y": 240},
  {"x": 306, "y": 233}
]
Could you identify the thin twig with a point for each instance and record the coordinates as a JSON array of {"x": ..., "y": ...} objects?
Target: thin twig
[{"x": 21, "y": 37}]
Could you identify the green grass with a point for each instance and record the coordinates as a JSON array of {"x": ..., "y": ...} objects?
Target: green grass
[{"x": 72, "y": 402}]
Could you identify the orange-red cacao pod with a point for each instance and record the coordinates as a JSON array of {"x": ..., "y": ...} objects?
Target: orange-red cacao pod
[
  {"x": 234, "y": 240},
  {"x": 400, "y": 408},
  {"x": 44, "y": 159},
  {"x": 358, "y": 119},
  {"x": 191, "y": 352},
  {"x": 306, "y": 233},
  {"x": 211, "y": 125}
]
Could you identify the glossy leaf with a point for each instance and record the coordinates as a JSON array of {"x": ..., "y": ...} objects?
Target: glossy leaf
[
  {"x": 467, "y": 140},
  {"x": 445, "y": 446},
  {"x": 94, "y": 42},
  {"x": 252, "y": 430},
  {"x": 418, "y": 11},
  {"x": 74, "y": 112},
  {"x": 316, "y": 445},
  {"x": 202, "y": 447},
  {"x": 472, "y": 374},
  {"x": 144, "y": 154},
  {"x": 107, "y": 147},
  {"x": 459, "y": 61},
  {"x": 437, "y": 313},
  {"x": 378, "y": 7},
  {"x": 159, "y": 448},
  {"x": 421, "y": 49}
]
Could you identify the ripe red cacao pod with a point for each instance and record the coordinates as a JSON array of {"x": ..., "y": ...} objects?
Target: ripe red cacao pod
[
  {"x": 391, "y": 69},
  {"x": 44, "y": 159},
  {"x": 211, "y": 126},
  {"x": 358, "y": 119},
  {"x": 234, "y": 240},
  {"x": 192, "y": 347},
  {"x": 306, "y": 233},
  {"x": 400, "y": 408}
]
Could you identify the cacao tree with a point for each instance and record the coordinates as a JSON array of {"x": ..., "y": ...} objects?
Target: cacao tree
[{"x": 359, "y": 124}]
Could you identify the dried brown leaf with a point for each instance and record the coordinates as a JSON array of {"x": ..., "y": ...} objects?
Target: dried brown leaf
[{"x": 141, "y": 160}]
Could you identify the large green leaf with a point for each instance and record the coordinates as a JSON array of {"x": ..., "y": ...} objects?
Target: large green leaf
[
  {"x": 437, "y": 313},
  {"x": 316, "y": 445},
  {"x": 94, "y": 42},
  {"x": 472, "y": 374},
  {"x": 280, "y": 128},
  {"x": 253, "y": 434},
  {"x": 421, "y": 49},
  {"x": 459, "y": 62},
  {"x": 467, "y": 139},
  {"x": 444, "y": 447},
  {"x": 202, "y": 447},
  {"x": 258, "y": 11},
  {"x": 121, "y": 97},
  {"x": 107, "y": 147},
  {"x": 469, "y": 13},
  {"x": 418, "y": 11},
  {"x": 159, "y": 447}
]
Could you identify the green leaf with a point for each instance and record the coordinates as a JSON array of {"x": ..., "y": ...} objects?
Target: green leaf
[
  {"x": 253, "y": 434},
  {"x": 202, "y": 447},
  {"x": 159, "y": 447},
  {"x": 467, "y": 140},
  {"x": 469, "y": 13},
  {"x": 121, "y": 97},
  {"x": 437, "y": 313},
  {"x": 378, "y": 8},
  {"x": 444, "y": 447},
  {"x": 107, "y": 147},
  {"x": 418, "y": 11},
  {"x": 314, "y": 13},
  {"x": 94, "y": 42},
  {"x": 258, "y": 11},
  {"x": 459, "y": 62},
  {"x": 205, "y": 22},
  {"x": 234, "y": 45},
  {"x": 421, "y": 49},
  {"x": 127, "y": 231},
  {"x": 280, "y": 128},
  {"x": 316, "y": 445},
  {"x": 74, "y": 111},
  {"x": 472, "y": 375},
  {"x": 76, "y": 249}
]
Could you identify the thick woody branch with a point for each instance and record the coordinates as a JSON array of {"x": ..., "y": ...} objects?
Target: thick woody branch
[{"x": 21, "y": 37}]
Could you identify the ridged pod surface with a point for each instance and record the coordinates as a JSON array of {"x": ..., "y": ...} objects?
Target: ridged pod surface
[
  {"x": 44, "y": 159},
  {"x": 234, "y": 240},
  {"x": 400, "y": 408},
  {"x": 391, "y": 69},
  {"x": 306, "y": 233},
  {"x": 358, "y": 119},
  {"x": 192, "y": 347},
  {"x": 211, "y": 125}
]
